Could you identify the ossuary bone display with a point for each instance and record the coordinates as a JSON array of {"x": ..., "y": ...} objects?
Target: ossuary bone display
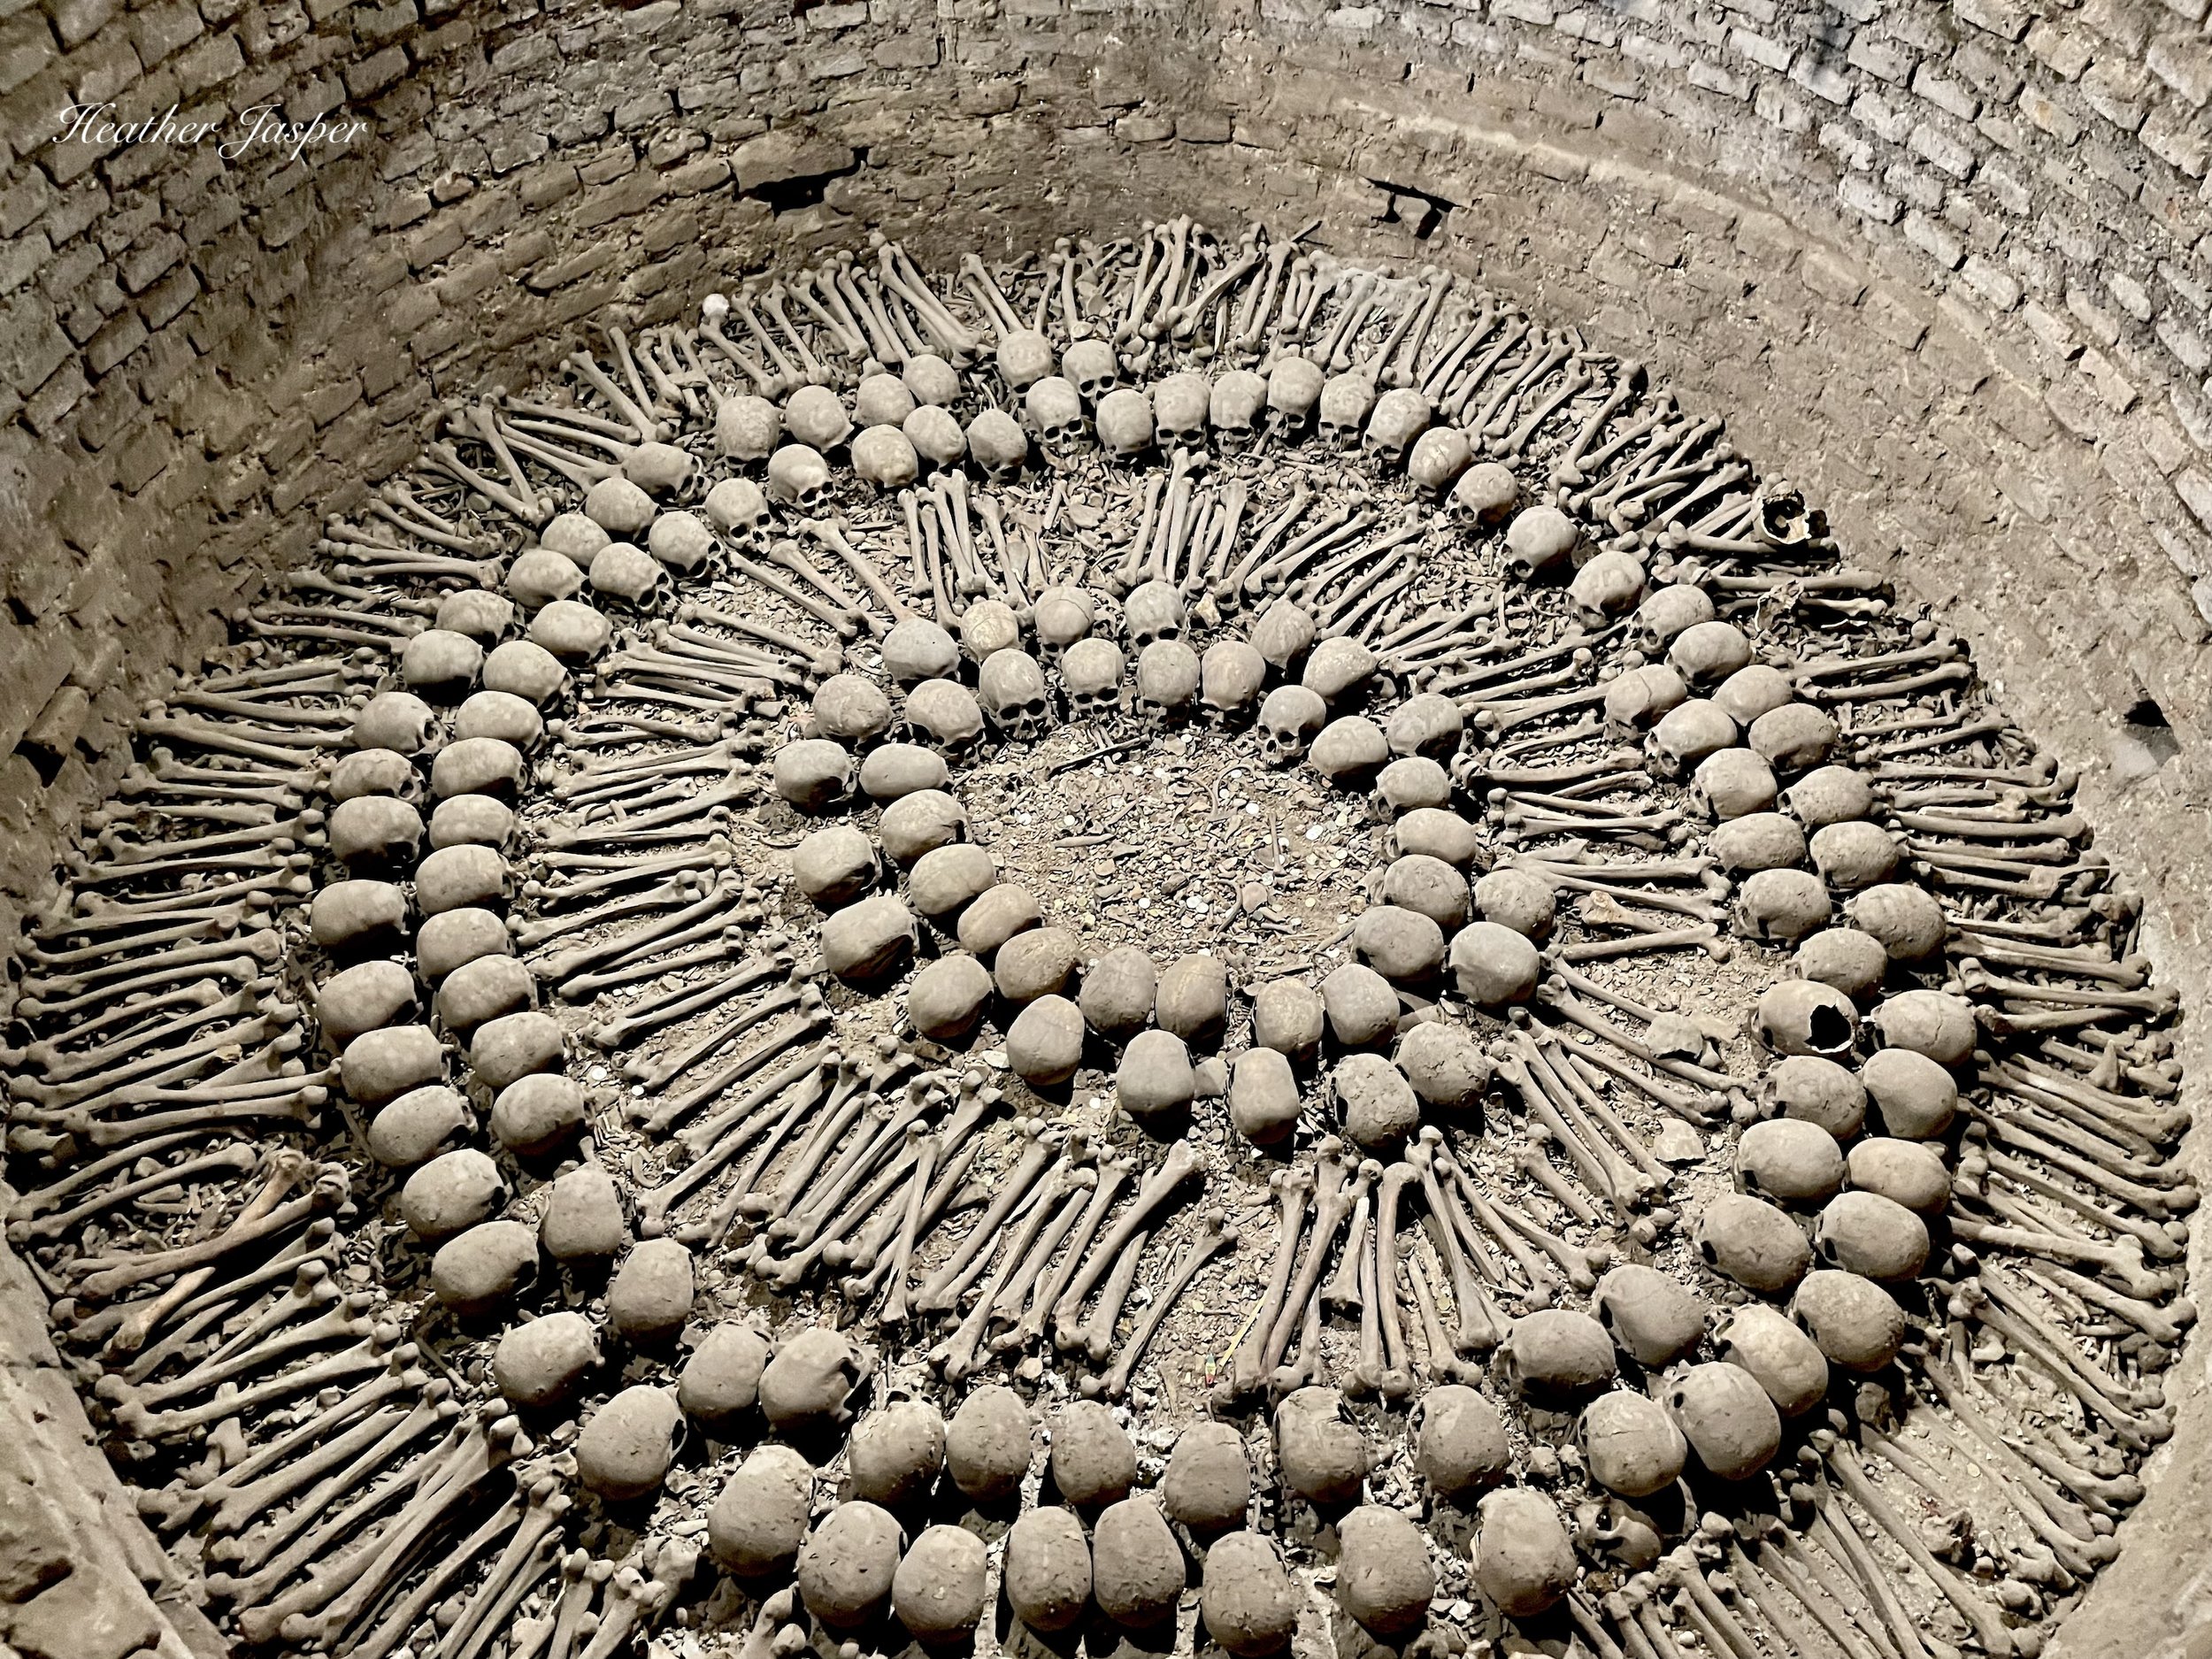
[{"x": 1170, "y": 945}]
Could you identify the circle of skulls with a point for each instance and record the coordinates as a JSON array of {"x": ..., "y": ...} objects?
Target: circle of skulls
[{"x": 1171, "y": 945}]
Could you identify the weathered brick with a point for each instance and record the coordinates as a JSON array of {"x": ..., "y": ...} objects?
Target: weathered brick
[
  {"x": 1863, "y": 197},
  {"x": 32, "y": 344},
  {"x": 48, "y": 409},
  {"x": 372, "y": 75},
  {"x": 78, "y": 21},
  {"x": 159, "y": 30},
  {"x": 122, "y": 336},
  {"x": 1939, "y": 147},
  {"x": 1992, "y": 281},
  {"x": 2184, "y": 63}
]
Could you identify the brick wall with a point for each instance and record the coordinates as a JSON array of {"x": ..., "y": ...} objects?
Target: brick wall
[{"x": 1945, "y": 265}]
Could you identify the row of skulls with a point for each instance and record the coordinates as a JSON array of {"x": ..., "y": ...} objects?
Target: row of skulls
[{"x": 899, "y": 423}]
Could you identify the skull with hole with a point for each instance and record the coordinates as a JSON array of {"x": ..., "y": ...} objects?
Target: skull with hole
[
  {"x": 798, "y": 477},
  {"x": 1093, "y": 369},
  {"x": 1346, "y": 401},
  {"x": 1608, "y": 587},
  {"x": 1025, "y": 357},
  {"x": 1484, "y": 495},
  {"x": 1061, "y": 616},
  {"x": 999, "y": 445},
  {"x": 1012, "y": 689},
  {"x": 1230, "y": 675},
  {"x": 943, "y": 715},
  {"x": 629, "y": 576},
  {"x": 882, "y": 400},
  {"x": 1686, "y": 735},
  {"x": 1167, "y": 681},
  {"x": 1091, "y": 672},
  {"x": 816, "y": 417},
  {"x": 1438, "y": 460},
  {"x": 1180, "y": 405},
  {"x": 748, "y": 428},
  {"x": 1056, "y": 416},
  {"x": 1802, "y": 1016},
  {"x": 1669, "y": 612},
  {"x": 1784, "y": 520},
  {"x": 1400, "y": 417},
  {"x": 1124, "y": 424},
  {"x": 885, "y": 459},
  {"x": 1539, "y": 540},
  {"x": 936, "y": 435},
  {"x": 737, "y": 508},
  {"x": 1154, "y": 611},
  {"x": 1294, "y": 391},
  {"x": 1290, "y": 718},
  {"x": 1235, "y": 407}
]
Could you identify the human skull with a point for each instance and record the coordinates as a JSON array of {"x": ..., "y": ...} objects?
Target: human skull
[
  {"x": 918, "y": 648},
  {"x": 1055, "y": 415},
  {"x": 1234, "y": 408},
  {"x": 1090, "y": 673},
  {"x": 1686, "y": 735},
  {"x": 885, "y": 458},
  {"x": 883, "y": 400},
  {"x": 1025, "y": 357},
  {"x": 935, "y": 436},
  {"x": 1294, "y": 390},
  {"x": 1785, "y": 521},
  {"x": 1231, "y": 673},
  {"x": 1667, "y": 611},
  {"x": 1608, "y": 587},
  {"x": 1124, "y": 424},
  {"x": 748, "y": 428},
  {"x": 1402, "y": 415},
  {"x": 1012, "y": 689},
  {"x": 1092, "y": 368},
  {"x": 1289, "y": 720},
  {"x": 1180, "y": 405},
  {"x": 1347, "y": 400},
  {"x": 1732, "y": 783},
  {"x": 736, "y": 508},
  {"x": 998, "y": 444},
  {"x": 814, "y": 774},
  {"x": 1167, "y": 680},
  {"x": 797, "y": 477},
  {"x": 679, "y": 540},
  {"x": 988, "y": 625},
  {"x": 630, "y": 576},
  {"x": 1707, "y": 653},
  {"x": 1539, "y": 539},
  {"x": 1485, "y": 494},
  {"x": 943, "y": 715},
  {"x": 1441, "y": 456},
  {"x": 816, "y": 417},
  {"x": 1427, "y": 724},
  {"x": 932, "y": 380},
  {"x": 1154, "y": 611},
  {"x": 1061, "y": 616}
]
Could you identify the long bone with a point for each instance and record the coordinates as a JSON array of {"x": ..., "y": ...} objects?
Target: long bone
[
  {"x": 347, "y": 1319},
  {"x": 926, "y": 1147},
  {"x": 764, "y": 382},
  {"x": 1215, "y": 1235},
  {"x": 1113, "y": 1175},
  {"x": 889, "y": 1129},
  {"x": 1153, "y": 1195},
  {"x": 1987, "y": 1626},
  {"x": 832, "y": 1122},
  {"x": 2167, "y": 1240},
  {"x": 1832, "y": 1526},
  {"x": 313, "y": 1249},
  {"x": 263, "y": 1215},
  {"x": 1601, "y": 1168},
  {"x": 1038, "y": 1153},
  {"x": 237, "y": 1157},
  {"x": 1443, "y": 1364},
  {"x": 379, "y": 1640},
  {"x": 1051, "y": 1209},
  {"x": 1454, "y": 394},
  {"x": 705, "y": 918},
  {"x": 813, "y": 1018},
  {"x": 2008, "y": 1475},
  {"x": 1544, "y": 1285},
  {"x": 1096, "y": 1337},
  {"x": 529, "y": 1556},
  {"x": 635, "y": 1601},
  {"x": 2120, "y": 1261},
  {"x": 117, "y": 1055},
  {"x": 1478, "y": 1329},
  {"x": 770, "y": 1120},
  {"x": 871, "y": 1261},
  {"x": 864, "y": 301},
  {"x": 339, "y": 1590},
  {"x": 371, "y": 1353},
  {"x": 1719, "y": 1629},
  {"x": 1489, "y": 421},
  {"x": 1337, "y": 1181},
  {"x": 1247, "y": 1367},
  {"x": 1860, "y": 1638},
  {"x": 310, "y": 1452},
  {"x": 1343, "y": 1296},
  {"x": 704, "y": 1138},
  {"x": 268, "y": 1556},
  {"x": 2102, "y": 1395},
  {"x": 1438, "y": 372}
]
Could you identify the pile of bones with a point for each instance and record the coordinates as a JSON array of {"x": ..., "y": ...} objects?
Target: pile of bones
[{"x": 1170, "y": 944}]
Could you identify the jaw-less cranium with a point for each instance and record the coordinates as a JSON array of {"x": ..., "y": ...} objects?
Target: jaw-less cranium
[
  {"x": 1055, "y": 415},
  {"x": 1093, "y": 369},
  {"x": 1011, "y": 687},
  {"x": 1091, "y": 671}
]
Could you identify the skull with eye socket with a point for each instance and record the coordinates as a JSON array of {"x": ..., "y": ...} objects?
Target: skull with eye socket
[
  {"x": 629, "y": 576},
  {"x": 1093, "y": 369},
  {"x": 1230, "y": 674},
  {"x": 1167, "y": 681},
  {"x": 798, "y": 477},
  {"x": 1090, "y": 672},
  {"x": 1124, "y": 424},
  {"x": 1154, "y": 611},
  {"x": 1011, "y": 687},
  {"x": 1061, "y": 616},
  {"x": 943, "y": 715},
  {"x": 1290, "y": 719},
  {"x": 1056, "y": 416},
  {"x": 1346, "y": 401},
  {"x": 1000, "y": 447},
  {"x": 1401, "y": 416},
  {"x": 1179, "y": 403},
  {"x": 1233, "y": 409},
  {"x": 1293, "y": 392},
  {"x": 1786, "y": 521}
]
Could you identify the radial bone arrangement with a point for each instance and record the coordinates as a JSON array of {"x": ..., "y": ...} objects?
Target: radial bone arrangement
[{"x": 1167, "y": 944}]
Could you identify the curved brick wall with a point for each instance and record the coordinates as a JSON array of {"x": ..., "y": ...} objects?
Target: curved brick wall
[{"x": 1947, "y": 265}]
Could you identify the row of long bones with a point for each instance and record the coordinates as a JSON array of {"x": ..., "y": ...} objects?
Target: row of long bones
[{"x": 200, "y": 1233}]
